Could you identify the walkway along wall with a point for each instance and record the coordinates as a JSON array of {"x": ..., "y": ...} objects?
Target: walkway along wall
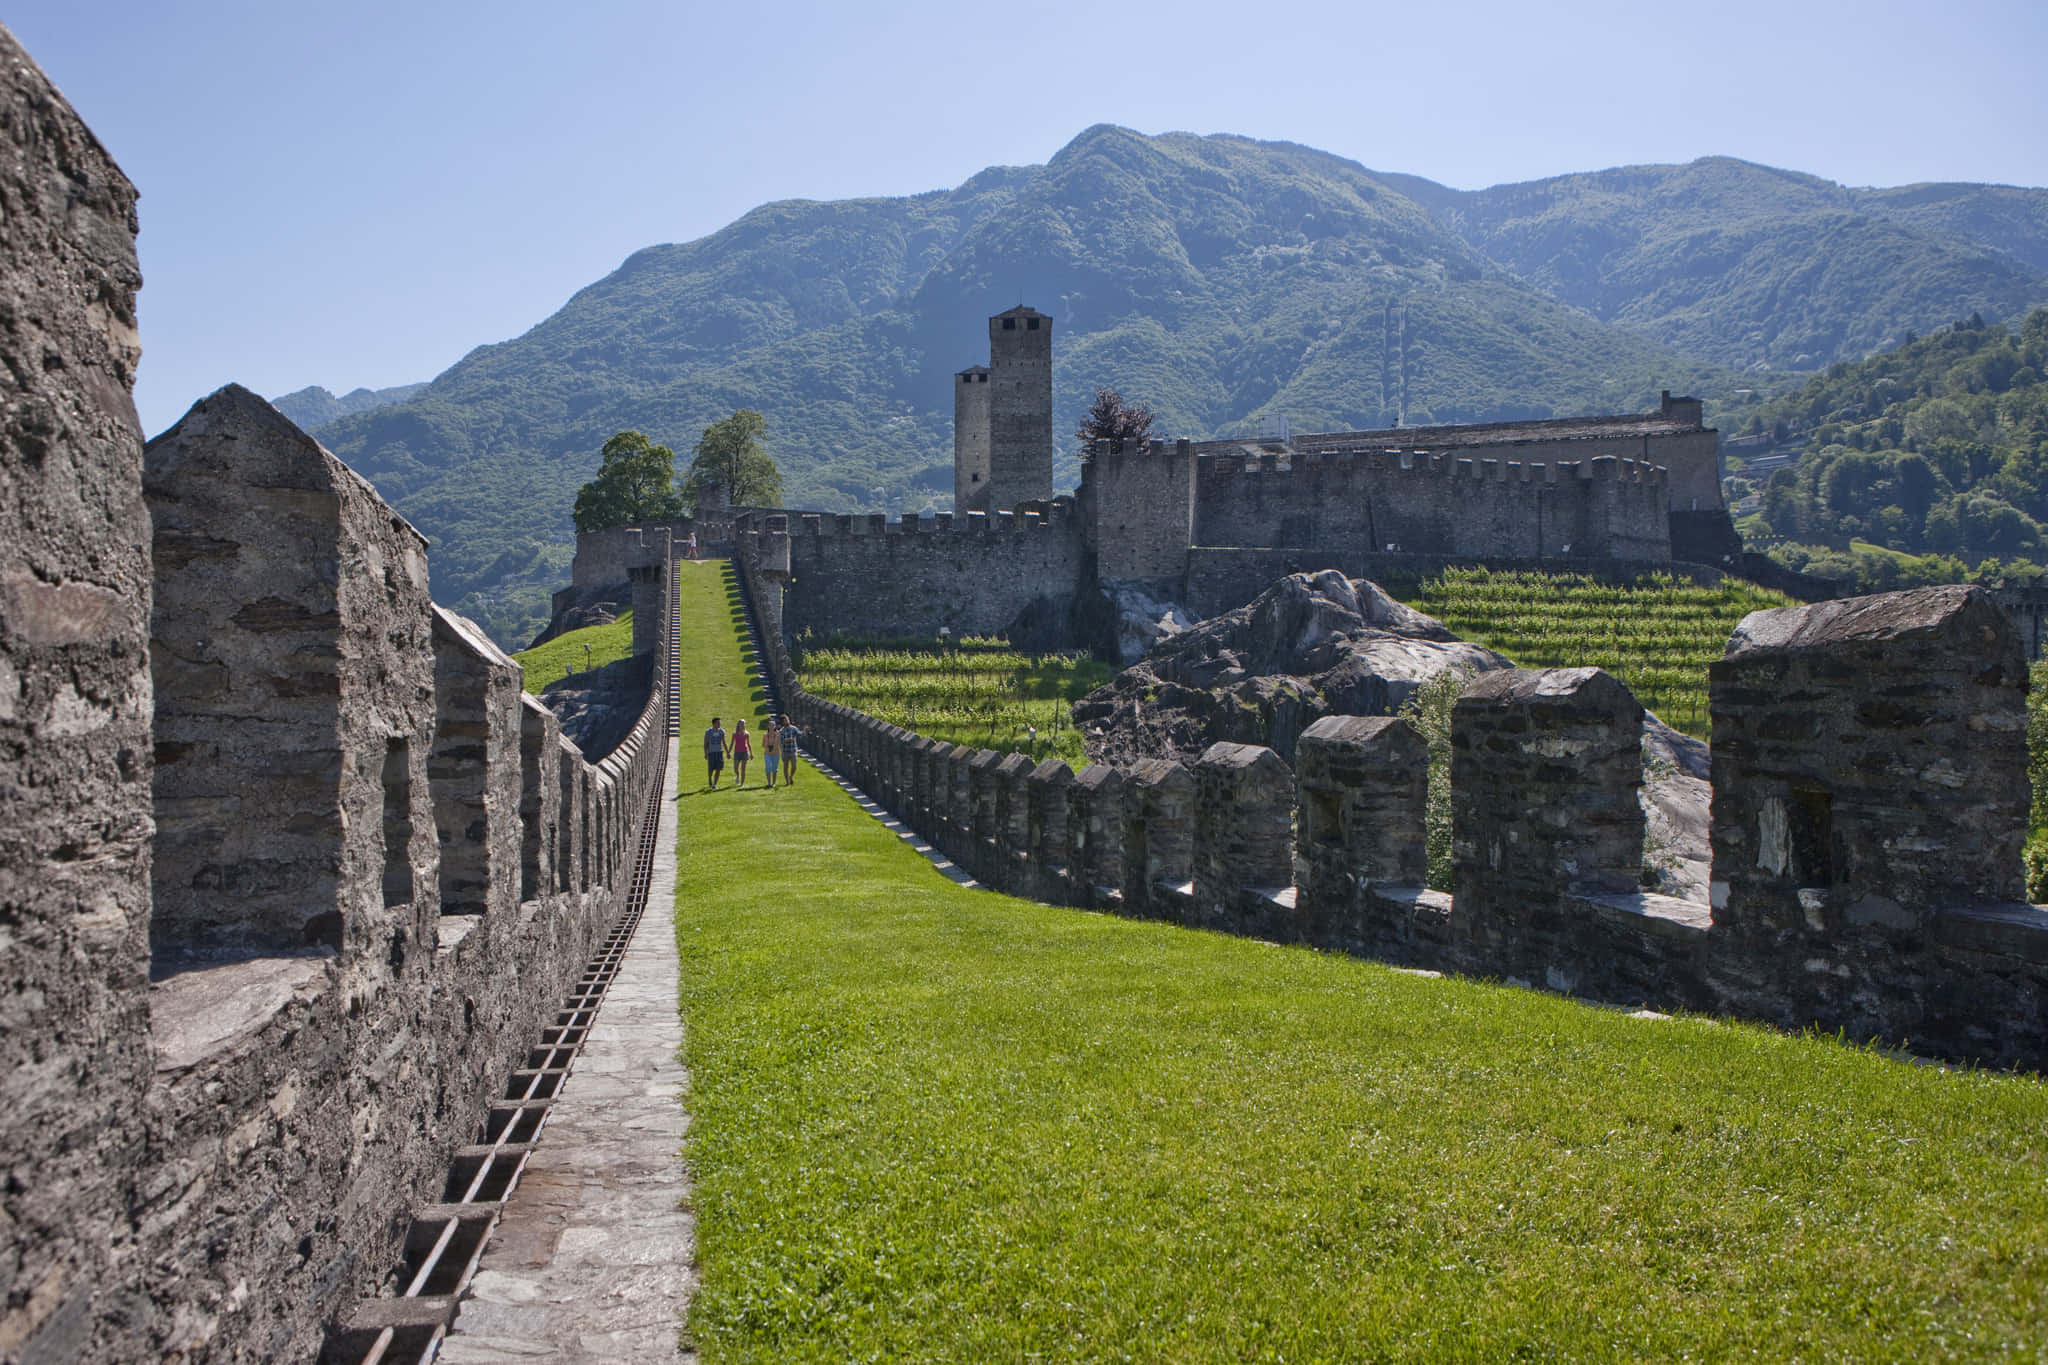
[
  {"x": 1869, "y": 767},
  {"x": 291, "y": 872}
]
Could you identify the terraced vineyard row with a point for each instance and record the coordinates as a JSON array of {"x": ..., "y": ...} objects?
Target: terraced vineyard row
[
  {"x": 1657, "y": 634},
  {"x": 978, "y": 692}
]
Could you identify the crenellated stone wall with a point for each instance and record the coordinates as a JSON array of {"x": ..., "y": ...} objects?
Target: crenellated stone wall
[
  {"x": 1870, "y": 799},
  {"x": 74, "y": 728},
  {"x": 291, "y": 871}
]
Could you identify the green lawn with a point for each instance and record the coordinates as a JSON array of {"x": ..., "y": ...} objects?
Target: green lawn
[
  {"x": 930, "y": 1124},
  {"x": 558, "y": 658}
]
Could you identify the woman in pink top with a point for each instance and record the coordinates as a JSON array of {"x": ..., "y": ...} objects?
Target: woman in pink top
[{"x": 742, "y": 750}]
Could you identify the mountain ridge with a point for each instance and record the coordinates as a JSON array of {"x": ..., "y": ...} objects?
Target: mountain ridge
[{"x": 1217, "y": 277}]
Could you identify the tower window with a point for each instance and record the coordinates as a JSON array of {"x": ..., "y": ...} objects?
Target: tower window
[
  {"x": 981, "y": 379},
  {"x": 1009, "y": 324},
  {"x": 1031, "y": 324}
]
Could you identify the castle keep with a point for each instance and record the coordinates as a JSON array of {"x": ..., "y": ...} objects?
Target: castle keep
[{"x": 1002, "y": 417}]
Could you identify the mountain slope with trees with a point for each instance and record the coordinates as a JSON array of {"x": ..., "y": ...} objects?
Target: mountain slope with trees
[
  {"x": 1215, "y": 279},
  {"x": 1938, "y": 447}
]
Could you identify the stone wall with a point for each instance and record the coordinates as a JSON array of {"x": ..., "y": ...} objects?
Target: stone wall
[
  {"x": 1870, "y": 799},
  {"x": 237, "y": 1067},
  {"x": 74, "y": 727},
  {"x": 1468, "y": 503},
  {"x": 382, "y": 866},
  {"x": 972, "y": 575},
  {"x": 1138, "y": 506}
]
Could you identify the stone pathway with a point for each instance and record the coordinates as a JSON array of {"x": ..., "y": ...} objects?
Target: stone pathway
[{"x": 593, "y": 1259}]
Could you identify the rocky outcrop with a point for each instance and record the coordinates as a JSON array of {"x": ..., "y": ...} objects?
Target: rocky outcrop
[
  {"x": 1315, "y": 645},
  {"x": 1310, "y": 646},
  {"x": 598, "y": 709}
]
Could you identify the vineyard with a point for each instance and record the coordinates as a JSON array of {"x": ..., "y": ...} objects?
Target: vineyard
[
  {"x": 1657, "y": 634},
  {"x": 977, "y": 692}
]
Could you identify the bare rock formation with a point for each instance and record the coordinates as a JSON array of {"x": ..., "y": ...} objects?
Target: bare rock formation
[
  {"x": 1314, "y": 645},
  {"x": 1310, "y": 646}
]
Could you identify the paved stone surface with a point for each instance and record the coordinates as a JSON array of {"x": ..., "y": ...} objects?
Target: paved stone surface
[{"x": 594, "y": 1258}]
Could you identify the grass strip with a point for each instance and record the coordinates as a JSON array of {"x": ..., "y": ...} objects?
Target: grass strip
[
  {"x": 551, "y": 661},
  {"x": 931, "y": 1124}
]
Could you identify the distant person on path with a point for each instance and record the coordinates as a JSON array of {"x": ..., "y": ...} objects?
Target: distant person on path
[
  {"x": 714, "y": 752},
  {"x": 771, "y": 748},
  {"x": 790, "y": 735},
  {"x": 742, "y": 750},
  {"x": 693, "y": 544}
]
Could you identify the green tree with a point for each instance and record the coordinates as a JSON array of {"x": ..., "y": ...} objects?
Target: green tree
[
  {"x": 732, "y": 464},
  {"x": 636, "y": 483}
]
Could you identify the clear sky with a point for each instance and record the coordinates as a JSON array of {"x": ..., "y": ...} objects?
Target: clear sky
[{"x": 357, "y": 194}]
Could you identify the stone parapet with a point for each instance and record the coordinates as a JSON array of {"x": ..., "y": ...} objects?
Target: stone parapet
[{"x": 1854, "y": 709}]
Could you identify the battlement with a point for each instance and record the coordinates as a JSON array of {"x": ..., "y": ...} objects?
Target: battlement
[
  {"x": 1848, "y": 893},
  {"x": 1054, "y": 518}
]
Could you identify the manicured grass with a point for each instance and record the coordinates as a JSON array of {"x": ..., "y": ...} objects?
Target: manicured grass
[
  {"x": 931, "y": 1124},
  {"x": 556, "y": 659},
  {"x": 979, "y": 693}
]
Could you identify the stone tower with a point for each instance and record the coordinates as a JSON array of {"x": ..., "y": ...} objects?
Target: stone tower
[
  {"x": 970, "y": 440},
  {"x": 1015, "y": 417}
]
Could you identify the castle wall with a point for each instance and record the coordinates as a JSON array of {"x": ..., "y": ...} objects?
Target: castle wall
[
  {"x": 215, "y": 1162},
  {"x": 1673, "y": 437},
  {"x": 1870, "y": 803},
  {"x": 371, "y": 894},
  {"x": 1454, "y": 502},
  {"x": 1139, "y": 508},
  {"x": 74, "y": 724},
  {"x": 916, "y": 575}
]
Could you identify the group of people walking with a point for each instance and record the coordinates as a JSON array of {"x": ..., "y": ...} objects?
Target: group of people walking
[{"x": 778, "y": 737}]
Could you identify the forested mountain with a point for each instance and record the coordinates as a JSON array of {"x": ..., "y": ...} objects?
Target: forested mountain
[
  {"x": 1215, "y": 278},
  {"x": 314, "y": 406},
  {"x": 1760, "y": 268},
  {"x": 1937, "y": 447}
]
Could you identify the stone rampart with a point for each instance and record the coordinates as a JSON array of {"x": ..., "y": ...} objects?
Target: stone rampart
[
  {"x": 74, "y": 729},
  {"x": 1467, "y": 503},
  {"x": 1870, "y": 799},
  {"x": 258, "y": 1037},
  {"x": 972, "y": 575}
]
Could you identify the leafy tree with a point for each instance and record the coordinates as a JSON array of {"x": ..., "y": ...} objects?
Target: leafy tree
[
  {"x": 732, "y": 462},
  {"x": 1110, "y": 418},
  {"x": 636, "y": 483}
]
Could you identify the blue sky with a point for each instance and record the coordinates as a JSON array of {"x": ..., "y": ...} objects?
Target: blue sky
[{"x": 358, "y": 195}]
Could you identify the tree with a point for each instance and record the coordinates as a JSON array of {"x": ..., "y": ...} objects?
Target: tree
[
  {"x": 636, "y": 483},
  {"x": 732, "y": 463},
  {"x": 1109, "y": 418}
]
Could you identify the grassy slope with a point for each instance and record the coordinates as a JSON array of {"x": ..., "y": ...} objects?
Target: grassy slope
[
  {"x": 549, "y": 663},
  {"x": 937, "y": 1124}
]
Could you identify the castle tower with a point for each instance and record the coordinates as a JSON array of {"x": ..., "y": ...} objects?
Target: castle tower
[
  {"x": 970, "y": 440},
  {"x": 1018, "y": 412}
]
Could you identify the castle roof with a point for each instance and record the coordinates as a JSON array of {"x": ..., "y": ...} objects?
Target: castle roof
[
  {"x": 1023, "y": 310},
  {"x": 973, "y": 369}
]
